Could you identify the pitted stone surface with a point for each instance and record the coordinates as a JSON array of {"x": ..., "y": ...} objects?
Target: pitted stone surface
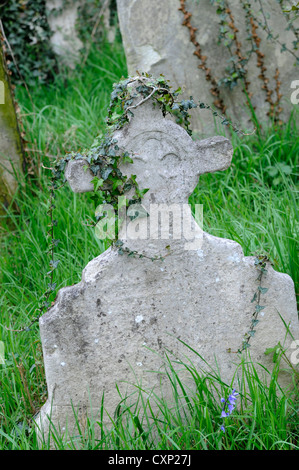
[{"x": 116, "y": 325}]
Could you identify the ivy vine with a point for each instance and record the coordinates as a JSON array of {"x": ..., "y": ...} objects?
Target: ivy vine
[
  {"x": 260, "y": 262},
  {"x": 236, "y": 71}
]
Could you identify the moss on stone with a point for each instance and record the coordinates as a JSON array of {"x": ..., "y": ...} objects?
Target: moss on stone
[{"x": 11, "y": 150}]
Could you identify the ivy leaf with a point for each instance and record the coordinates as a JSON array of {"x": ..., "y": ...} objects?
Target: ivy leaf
[
  {"x": 97, "y": 182},
  {"x": 115, "y": 116},
  {"x": 62, "y": 165},
  {"x": 259, "y": 308},
  {"x": 94, "y": 168},
  {"x": 178, "y": 91},
  {"x": 52, "y": 287},
  {"x": 54, "y": 263},
  {"x": 188, "y": 104},
  {"x": 116, "y": 184},
  {"x": 127, "y": 187},
  {"x": 263, "y": 290},
  {"x": 127, "y": 158},
  {"x": 141, "y": 192},
  {"x": 105, "y": 172},
  {"x": 111, "y": 153}
]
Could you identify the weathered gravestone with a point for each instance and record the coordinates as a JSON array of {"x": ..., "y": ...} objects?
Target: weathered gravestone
[
  {"x": 116, "y": 324},
  {"x": 11, "y": 149},
  {"x": 62, "y": 18},
  {"x": 180, "y": 39}
]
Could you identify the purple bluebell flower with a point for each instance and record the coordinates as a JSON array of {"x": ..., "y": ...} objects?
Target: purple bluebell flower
[
  {"x": 228, "y": 406},
  {"x": 233, "y": 397}
]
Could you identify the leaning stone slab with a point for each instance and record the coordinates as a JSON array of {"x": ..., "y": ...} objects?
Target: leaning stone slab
[
  {"x": 119, "y": 323},
  {"x": 11, "y": 150}
]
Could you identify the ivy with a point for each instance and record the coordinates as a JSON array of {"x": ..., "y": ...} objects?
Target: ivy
[
  {"x": 236, "y": 70},
  {"x": 29, "y": 55},
  {"x": 215, "y": 91},
  {"x": 260, "y": 263}
]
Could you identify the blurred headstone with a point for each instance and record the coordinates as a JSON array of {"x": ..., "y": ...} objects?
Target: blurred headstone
[
  {"x": 180, "y": 39},
  {"x": 62, "y": 19},
  {"x": 11, "y": 150}
]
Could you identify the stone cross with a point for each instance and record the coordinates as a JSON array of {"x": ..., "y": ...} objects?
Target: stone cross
[
  {"x": 166, "y": 160},
  {"x": 116, "y": 325}
]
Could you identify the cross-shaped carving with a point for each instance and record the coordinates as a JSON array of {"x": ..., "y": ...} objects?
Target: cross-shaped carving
[{"x": 166, "y": 159}]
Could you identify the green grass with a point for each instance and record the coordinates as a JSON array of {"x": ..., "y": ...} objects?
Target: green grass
[
  {"x": 253, "y": 203},
  {"x": 265, "y": 418}
]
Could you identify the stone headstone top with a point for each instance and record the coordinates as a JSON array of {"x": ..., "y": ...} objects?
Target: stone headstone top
[{"x": 166, "y": 159}]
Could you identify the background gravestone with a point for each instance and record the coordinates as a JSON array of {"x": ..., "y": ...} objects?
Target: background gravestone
[
  {"x": 62, "y": 21},
  {"x": 117, "y": 323},
  {"x": 67, "y": 18},
  {"x": 156, "y": 41},
  {"x": 11, "y": 151}
]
